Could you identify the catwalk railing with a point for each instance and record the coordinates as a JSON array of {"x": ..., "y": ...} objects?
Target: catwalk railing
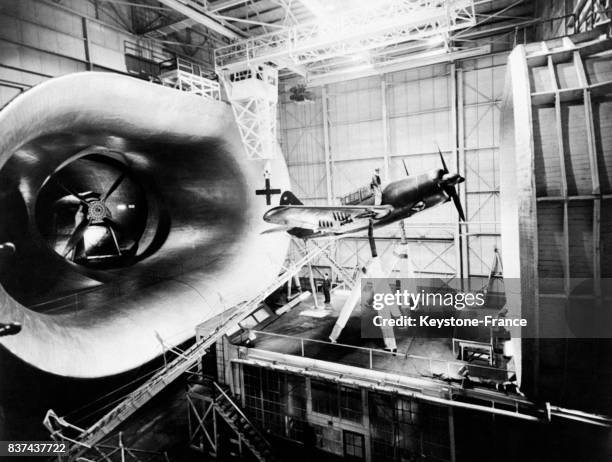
[{"x": 379, "y": 360}]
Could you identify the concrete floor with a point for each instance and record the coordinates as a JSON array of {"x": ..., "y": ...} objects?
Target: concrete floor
[{"x": 416, "y": 355}]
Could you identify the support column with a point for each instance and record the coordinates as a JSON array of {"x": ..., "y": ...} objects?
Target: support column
[
  {"x": 385, "y": 126},
  {"x": 313, "y": 287},
  {"x": 451, "y": 434},
  {"x": 463, "y": 229},
  {"x": 328, "y": 161},
  {"x": 454, "y": 122},
  {"x": 86, "y": 44}
]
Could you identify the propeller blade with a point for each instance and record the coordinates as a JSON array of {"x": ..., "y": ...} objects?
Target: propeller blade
[
  {"x": 69, "y": 190},
  {"x": 76, "y": 236},
  {"x": 67, "y": 200},
  {"x": 405, "y": 168},
  {"x": 442, "y": 159},
  {"x": 452, "y": 192},
  {"x": 114, "y": 186}
]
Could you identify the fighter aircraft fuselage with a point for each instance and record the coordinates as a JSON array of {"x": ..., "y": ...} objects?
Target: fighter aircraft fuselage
[{"x": 400, "y": 199}]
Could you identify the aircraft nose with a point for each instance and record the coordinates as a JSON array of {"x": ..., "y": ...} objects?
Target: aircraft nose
[
  {"x": 272, "y": 216},
  {"x": 452, "y": 179}
]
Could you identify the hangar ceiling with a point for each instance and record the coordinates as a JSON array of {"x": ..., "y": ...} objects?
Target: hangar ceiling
[{"x": 474, "y": 27}]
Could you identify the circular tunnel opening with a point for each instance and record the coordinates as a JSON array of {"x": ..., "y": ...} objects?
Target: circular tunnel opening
[
  {"x": 92, "y": 211},
  {"x": 93, "y": 214},
  {"x": 200, "y": 252}
]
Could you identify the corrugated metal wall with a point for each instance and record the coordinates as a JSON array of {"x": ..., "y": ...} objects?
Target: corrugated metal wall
[
  {"x": 40, "y": 39},
  {"x": 384, "y": 120}
]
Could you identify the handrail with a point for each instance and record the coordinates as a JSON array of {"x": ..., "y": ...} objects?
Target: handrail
[
  {"x": 228, "y": 398},
  {"x": 374, "y": 350}
]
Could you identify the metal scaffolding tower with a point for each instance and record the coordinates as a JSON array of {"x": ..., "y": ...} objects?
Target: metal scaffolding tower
[{"x": 252, "y": 92}]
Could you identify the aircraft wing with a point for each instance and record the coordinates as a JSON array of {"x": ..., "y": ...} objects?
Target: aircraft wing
[{"x": 335, "y": 219}]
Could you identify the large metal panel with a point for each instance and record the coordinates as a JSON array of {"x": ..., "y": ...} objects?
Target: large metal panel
[
  {"x": 560, "y": 123},
  {"x": 359, "y": 140}
]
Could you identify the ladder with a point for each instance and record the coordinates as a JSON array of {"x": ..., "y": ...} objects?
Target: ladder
[
  {"x": 248, "y": 433},
  {"x": 161, "y": 379}
]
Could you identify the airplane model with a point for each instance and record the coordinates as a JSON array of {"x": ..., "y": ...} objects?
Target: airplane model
[{"x": 400, "y": 199}]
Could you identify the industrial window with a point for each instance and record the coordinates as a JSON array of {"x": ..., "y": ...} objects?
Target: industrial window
[
  {"x": 382, "y": 430},
  {"x": 252, "y": 392},
  {"x": 351, "y": 406},
  {"x": 261, "y": 315},
  {"x": 407, "y": 410},
  {"x": 353, "y": 446},
  {"x": 409, "y": 441},
  {"x": 324, "y": 397},
  {"x": 276, "y": 401},
  {"x": 328, "y": 439},
  {"x": 435, "y": 436},
  {"x": 296, "y": 393}
]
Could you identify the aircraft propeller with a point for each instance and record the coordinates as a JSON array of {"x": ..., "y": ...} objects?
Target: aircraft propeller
[
  {"x": 405, "y": 168},
  {"x": 449, "y": 187}
]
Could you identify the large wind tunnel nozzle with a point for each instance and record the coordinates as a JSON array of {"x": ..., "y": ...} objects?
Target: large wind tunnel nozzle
[{"x": 133, "y": 215}]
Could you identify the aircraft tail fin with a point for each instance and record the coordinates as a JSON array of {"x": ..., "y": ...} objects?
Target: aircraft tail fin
[{"x": 288, "y": 198}]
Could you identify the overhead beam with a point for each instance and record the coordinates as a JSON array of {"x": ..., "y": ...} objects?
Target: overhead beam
[
  {"x": 410, "y": 62},
  {"x": 174, "y": 27},
  {"x": 225, "y": 5},
  {"x": 201, "y": 18}
]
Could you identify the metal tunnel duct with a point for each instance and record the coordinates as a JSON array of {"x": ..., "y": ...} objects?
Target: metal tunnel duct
[{"x": 192, "y": 249}]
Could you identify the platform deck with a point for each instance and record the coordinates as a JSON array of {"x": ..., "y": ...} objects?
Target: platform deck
[{"x": 298, "y": 332}]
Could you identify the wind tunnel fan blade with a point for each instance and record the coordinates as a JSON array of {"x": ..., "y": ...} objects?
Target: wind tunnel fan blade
[
  {"x": 68, "y": 200},
  {"x": 70, "y": 191},
  {"x": 114, "y": 186},
  {"x": 76, "y": 236}
]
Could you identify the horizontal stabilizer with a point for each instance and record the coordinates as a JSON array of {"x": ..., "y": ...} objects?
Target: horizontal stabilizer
[{"x": 277, "y": 229}]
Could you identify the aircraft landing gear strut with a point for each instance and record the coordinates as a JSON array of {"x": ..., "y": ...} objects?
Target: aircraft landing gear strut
[{"x": 371, "y": 239}]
